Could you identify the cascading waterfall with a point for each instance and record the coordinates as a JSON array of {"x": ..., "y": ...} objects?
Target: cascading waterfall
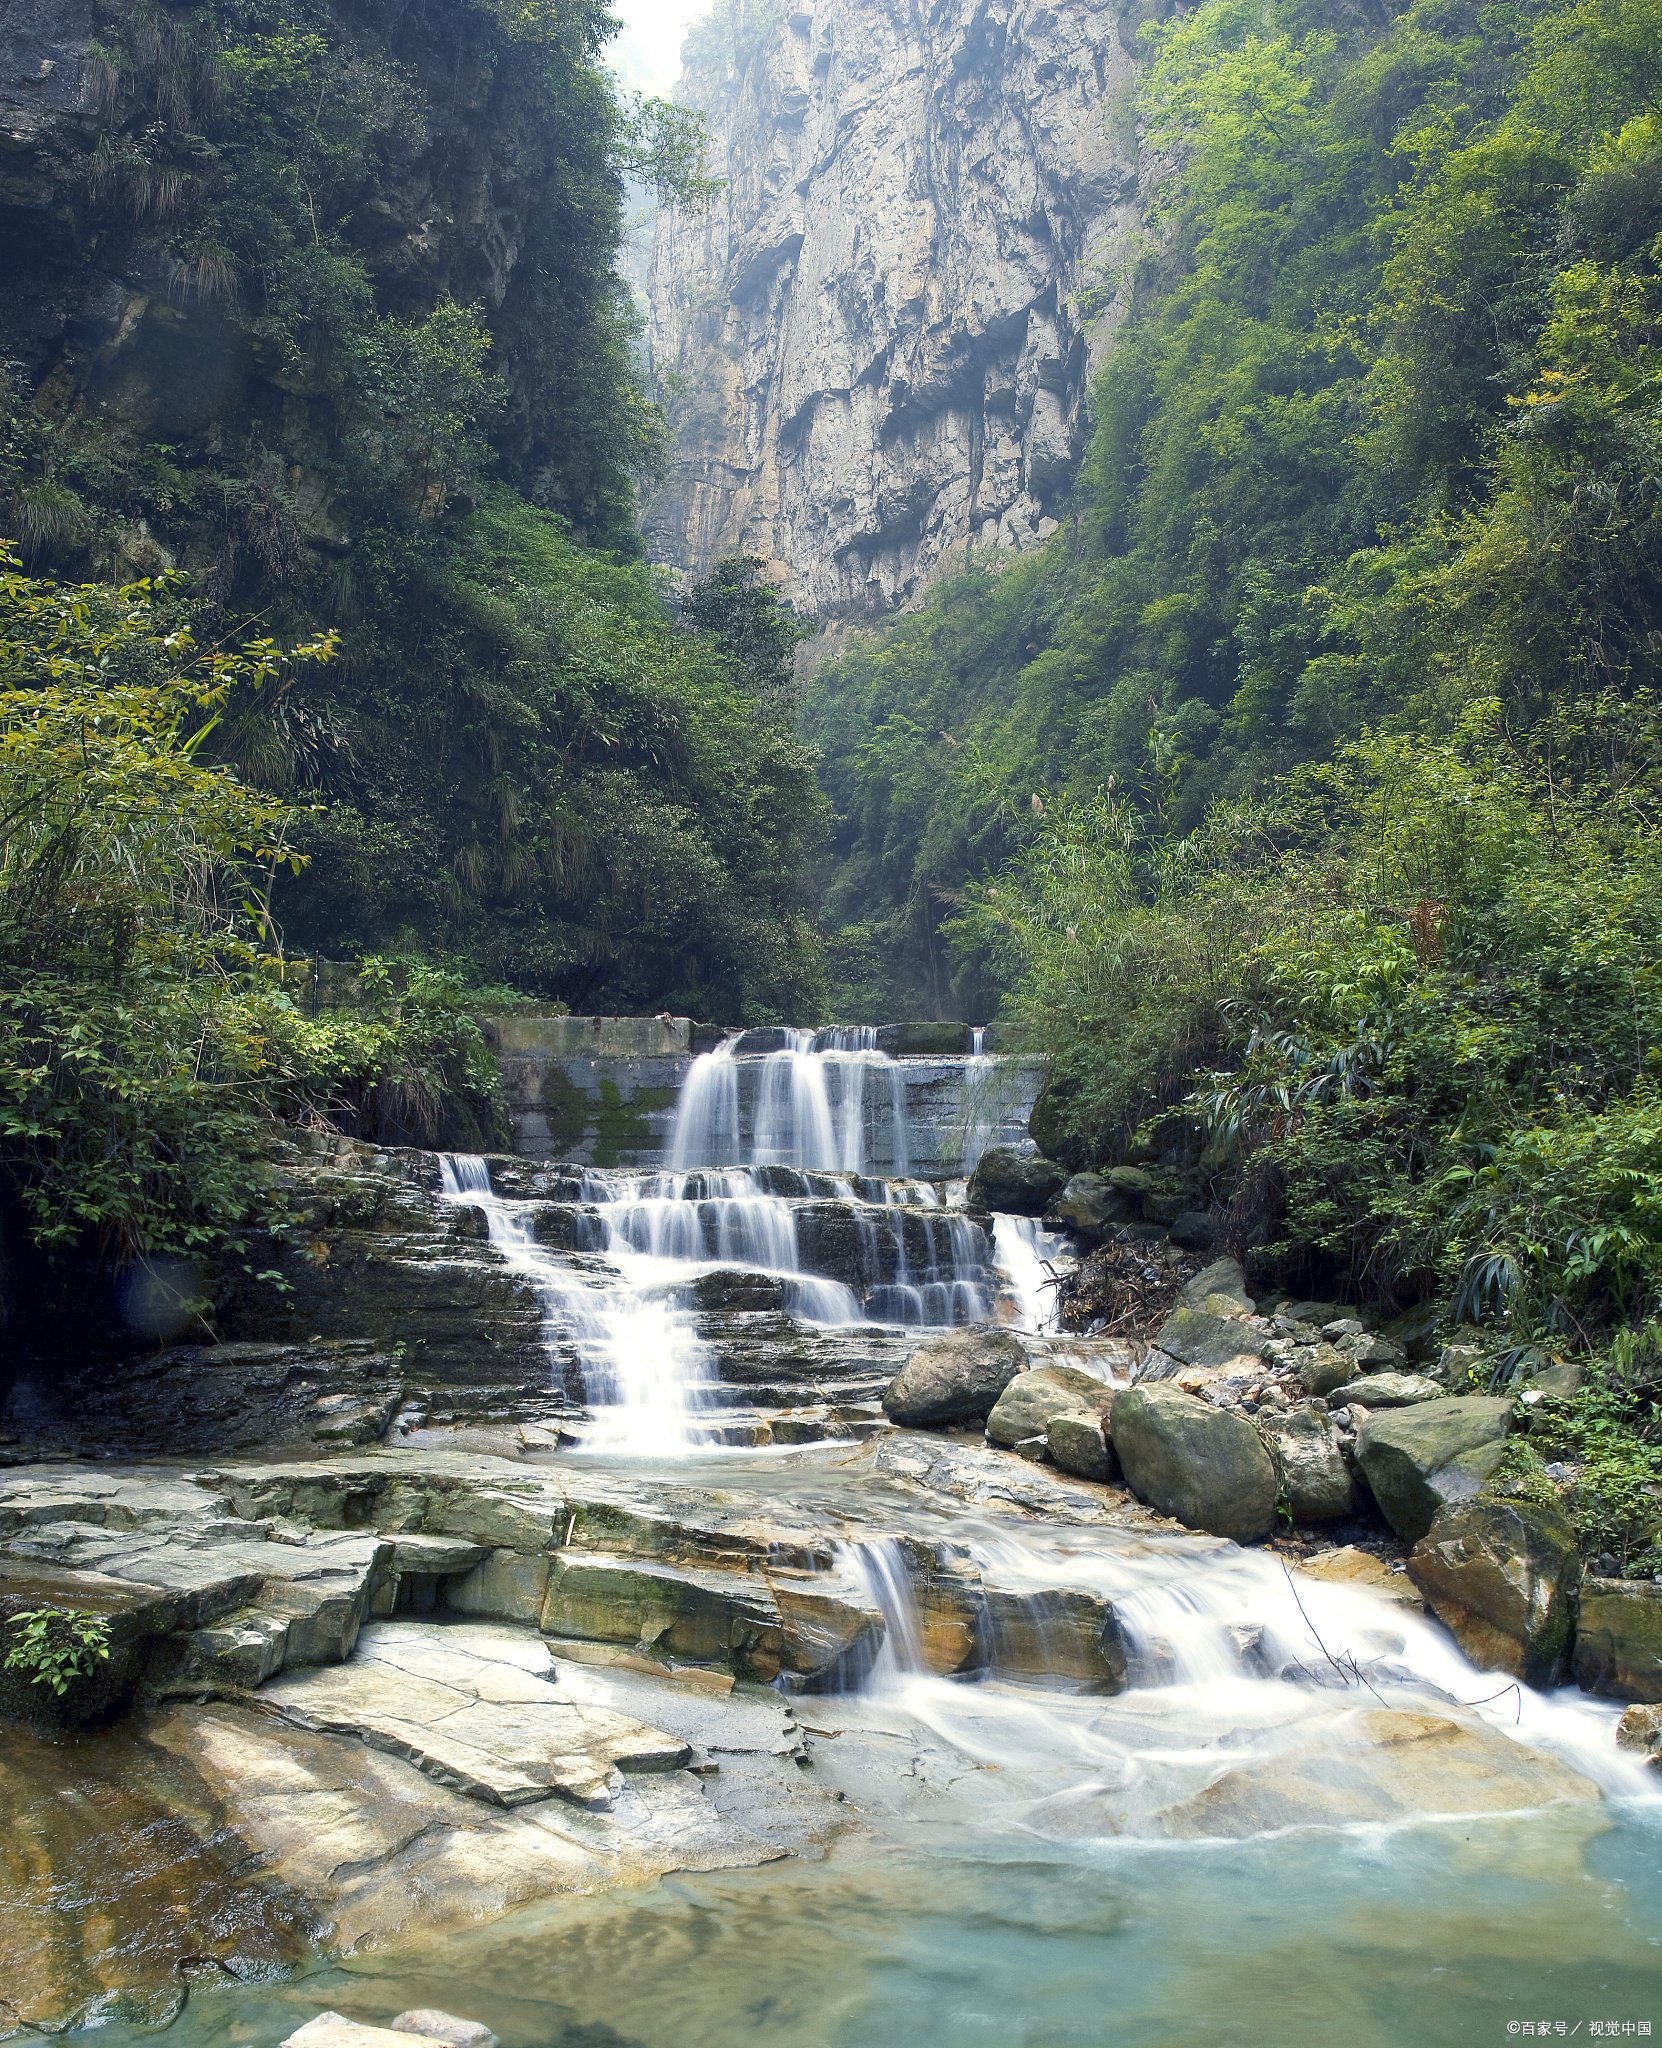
[
  {"x": 647, "y": 1374},
  {"x": 798, "y": 1106},
  {"x": 880, "y": 1569},
  {"x": 1026, "y": 1255},
  {"x": 765, "y": 1149},
  {"x": 1224, "y": 1647}
]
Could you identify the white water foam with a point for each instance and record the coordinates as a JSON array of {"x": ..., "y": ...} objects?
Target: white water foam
[{"x": 1235, "y": 1661}]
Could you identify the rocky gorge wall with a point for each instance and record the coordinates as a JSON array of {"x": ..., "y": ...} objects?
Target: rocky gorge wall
[{"x": 881, "y": 331}]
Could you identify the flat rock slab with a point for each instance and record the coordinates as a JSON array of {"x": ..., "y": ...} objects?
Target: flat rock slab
[
  {"x": 476, "y": 1711},
  {"x": 380, "y": 1850}
]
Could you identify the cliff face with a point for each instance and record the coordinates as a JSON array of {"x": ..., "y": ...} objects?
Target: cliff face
[{"x": 884, "y": 326}]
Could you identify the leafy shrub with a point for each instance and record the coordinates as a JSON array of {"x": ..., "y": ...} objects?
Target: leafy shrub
[{"x": 58, "y": 1645}]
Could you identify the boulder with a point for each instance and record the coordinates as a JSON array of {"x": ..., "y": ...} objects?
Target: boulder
[
  {"x": 1029, "y": 1401},
  {"x": 1321, "y": 1368},
  {"x": 1318, "y": 1483},
  {"x": 1422, "y": 1459},
  {"x": 1640, "y": 1728},
  {"x": 1502, "y": 1575},
  {"x": 1091, "y": 1208},
  {"x": 1018, "y": 1183},
  {"x": 1193, "y": 1230},
  {"x": 1618, "y": 1644},
  {"x": 955, "y": 1378},
  {"x": 1219, "y": 1289},
  {"x": 1386, "y": 1390},
  {"x": 1194, "y": 1337},
  {"x": 1078, "y": 1445},
  {"x": 1203, "y": 1465}
]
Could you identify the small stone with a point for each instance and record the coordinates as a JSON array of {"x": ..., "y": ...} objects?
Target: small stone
[
  {"x": 1247, "y": 1640},
  {"x": 1341, "y": 1326}
]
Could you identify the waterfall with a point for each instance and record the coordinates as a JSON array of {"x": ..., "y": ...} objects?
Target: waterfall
[
  {"x": 707, "y": 1117},
  {"x": 798, "y": 1106},
  {"x": 646, "y": 1372},
  {"x": 985, "y": 1103},
  {"x": 772, "y": 1155},
  {"x": 1024, "y": 1253},
  {"x": 880, "y": 1568}
]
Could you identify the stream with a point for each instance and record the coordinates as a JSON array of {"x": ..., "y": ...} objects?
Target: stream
[{"x": 1307, "y": 1819}]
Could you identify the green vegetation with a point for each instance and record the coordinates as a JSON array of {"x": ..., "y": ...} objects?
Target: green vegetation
[
  {"x": 58, "y": 1645},
  {"x": 329, "y": 633},
  {"x": 348, "y": 405},
  {"x": 1374, "y": 443},
  {"x": 147, "y": 1036},
  {"x": 1307, "y": 783}
]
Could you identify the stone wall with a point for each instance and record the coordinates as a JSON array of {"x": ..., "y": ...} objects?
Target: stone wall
[
  {"x": 595, "y": 1091},
  {"x": 601, "y": 1091}
]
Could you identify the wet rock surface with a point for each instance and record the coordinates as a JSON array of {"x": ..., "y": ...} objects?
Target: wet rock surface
[
  {"x": 606, "y": 1724},
  {"x": 1392, "y": 1764},
  {"x": 1504, "y": 1576}
]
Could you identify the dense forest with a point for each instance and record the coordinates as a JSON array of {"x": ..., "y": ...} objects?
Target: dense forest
[
  {"x": 325, "y": 318},
  {"x": 326, "y": 625},
  {"x": 1307, "y": 782}
]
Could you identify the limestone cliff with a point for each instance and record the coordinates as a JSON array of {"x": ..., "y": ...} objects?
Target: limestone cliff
[{"x": 880, "y": 332}]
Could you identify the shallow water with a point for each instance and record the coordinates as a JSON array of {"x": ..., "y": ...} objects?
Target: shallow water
[{"x": 1432, "y": 1934}]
